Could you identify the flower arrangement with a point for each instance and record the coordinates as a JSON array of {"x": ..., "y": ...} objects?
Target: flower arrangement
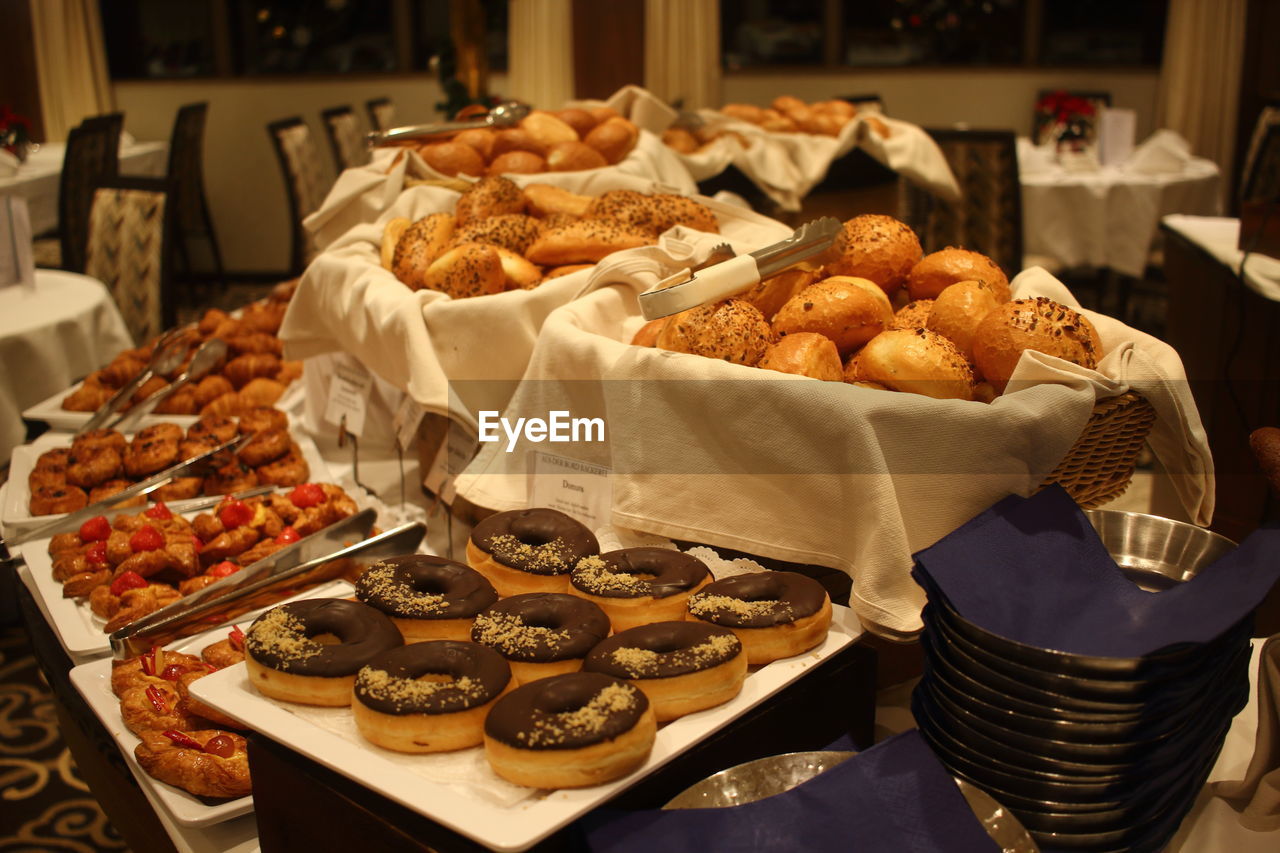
[
  {"x": 15, "y": 132},
  {"x": 1067, "y": 119}
]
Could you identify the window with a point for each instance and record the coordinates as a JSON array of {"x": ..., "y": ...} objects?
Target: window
[
  {"x": 333, "y": 36},
  {"x": 1103, "y": 32},
  {"x": 158, "y": 38}
]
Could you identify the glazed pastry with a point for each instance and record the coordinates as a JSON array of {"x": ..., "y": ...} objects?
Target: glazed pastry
[
  {"x": 289, "y": 470},
  {"x": 213, "y": 429},
  {"x": 266, "y": 446},
  {"x": 148, "y": 456},
  {"x": 47, "y": 500},
  {"x": 636, "y": 586},
  {"x": 207, "y": 763},
  {"x": 261, "y": 418},
  {"x": 428, "y": 598},
  {"x": 530, "y": 550},
  {"x": 541, "y": 633},
  {"x": 155, "y": 707},
  {"x": 224, "y": 653},
  {"x": 775, "y": 614}
]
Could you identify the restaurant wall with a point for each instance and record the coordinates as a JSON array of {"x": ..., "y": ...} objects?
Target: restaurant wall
[
  {"x": 982, "y": 98},
  {"x": 242, "y": 176}
]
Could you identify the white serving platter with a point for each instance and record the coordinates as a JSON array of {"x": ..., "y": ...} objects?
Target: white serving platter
[
  {"x": 93, "y": 680},
  {"x": 512, "y": 826},
  {"x": 16, "y": 514}
]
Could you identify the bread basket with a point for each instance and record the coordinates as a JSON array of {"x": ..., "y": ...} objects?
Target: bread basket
[{"x": 1099, "y": 466}]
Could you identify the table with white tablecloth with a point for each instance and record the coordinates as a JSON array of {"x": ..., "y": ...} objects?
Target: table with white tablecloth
[
  {"x": 37, "y": 179},
  {"x": 63, "y": 328},
  {"x": 1106, "y": 217}
]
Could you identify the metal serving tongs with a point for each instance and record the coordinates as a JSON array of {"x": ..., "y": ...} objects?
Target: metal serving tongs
[
  {"x": 206, "y": 358},
  {"x": 505, "y": 114},
  {"x": 692, "y": 287},
  {"x": 73, "y": 520},
  {"x": 340, "y": 549},
  {"x": 167, "y": 355}
]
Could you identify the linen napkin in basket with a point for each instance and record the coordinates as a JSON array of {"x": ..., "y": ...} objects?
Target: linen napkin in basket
[
  {"x": 895, "y": 797},
  {"x": 1033, "y": 570},
  {"x": 1256, "y": 797},
  {"x": 818, "y": 472}
]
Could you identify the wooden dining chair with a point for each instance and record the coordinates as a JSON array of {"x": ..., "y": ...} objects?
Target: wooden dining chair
[
  {"x": 92, "y": 156},
  {"x": 381, "y": 113},
  {"x": 305, "y": 184},
  {"x": 988, "y": 216},
  {"x": 345, "y": 138},
  {"x": 129, "y": 246},
  {"x": 192, "y": 223}
]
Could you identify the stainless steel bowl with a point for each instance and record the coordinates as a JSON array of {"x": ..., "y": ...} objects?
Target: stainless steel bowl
[
  {"x": 777, "y": 774},
  {"x": 1157, "y": 552}
]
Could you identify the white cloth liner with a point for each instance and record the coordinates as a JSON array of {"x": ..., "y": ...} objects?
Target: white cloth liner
[
  {"x": 423, "y": 341},
  {"x": 821, "y": 472}
]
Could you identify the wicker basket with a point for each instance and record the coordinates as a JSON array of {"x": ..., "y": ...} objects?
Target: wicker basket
[{"x": 1100, "y": 464}]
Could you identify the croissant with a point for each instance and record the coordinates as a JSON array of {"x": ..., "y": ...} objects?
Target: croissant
[
  {"x": 261, "y": 392},
  {"x": 195, "y": 770},
  {"x": 241, "y": 369},
  {"x": 226, "y": 404}
]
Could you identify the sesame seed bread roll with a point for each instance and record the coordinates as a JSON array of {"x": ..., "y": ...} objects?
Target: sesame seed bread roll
[
  {"x": 490, "y": 196},
  {"x": 520, "y": 272},
  {"x": 772, "y": 293},
  {"x": 472, "y": 269},
  {"x": 732, "y": 330},
  {"x": 546, "y": 200},
  {"x": 585, "y": 241},
  {"x": 848, "y": 310},
  {"x": 1032, "y": 324},
  {"x": 959, "y": 309},
  {"x": 804, "y": 354},
  {"x": 918, "y": 361},
  {"x": 913, "y": 315},
  {"x": 614, "y": 138},
  {"x": 939, "y": 270},
  {"x": 876, "y": 247},
  {"x": 391, "y": 234},
  {"x": 512, "y": 231},
  {"x": 419, "y": 245}
]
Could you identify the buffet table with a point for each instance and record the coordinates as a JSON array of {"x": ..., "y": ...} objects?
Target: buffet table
[{"x": 52, "y": 334}]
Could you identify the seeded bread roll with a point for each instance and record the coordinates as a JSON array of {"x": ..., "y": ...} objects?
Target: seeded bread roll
[
  {"x": 520, "y": 273},
  {"x": 614, "y": 138},
  {"x": 680, "y": 139},
  {"x": 772, "y": 293},
  {"x": 848, "y": 310},
  {"x": 585, "y": 241},
  {"x": 517, "y": 163},
  {"x": 471, "y": 269},
  {"x": 647, "y": 336},
  {"x": 1032, "y": 324},
  {"x": 919, "y": 362},
  {"x": 732, "y": 330},
  {"x": 391, "y": 233},
  {"x": 547, "y": 200},
  {"x": 806, "y": 354},
  {"x": 959, "y": 309},
  {"x": 491, "y": 196},
  {"x": 420, "y": 245},
  {"x": 682, "y": 210},
  {"x": 944, "y": 268},
  {"x": 513, "y": 231},
  {"x": 913, "y": 315},
  {"x": 875, "y": 247}
]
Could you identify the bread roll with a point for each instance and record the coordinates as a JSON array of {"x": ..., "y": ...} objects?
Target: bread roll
[
  {"x": 805, "y": 354},
  {"x": 943, "y": 268},
  {"x": 878, "y": 127},
  {"x": 647, "y": 335},
  {"x": 584, "y": 241},
  {"x": 778, "y": 122},
  {"x": 850, "y": 311},
  {"x": 681, "y": 210},
  {"x": 574, "y": 156},
  {"x": 918, "y": 362},
  {"x": 520, "y": 272},
  {"x": 513, "y": 231},
  {"x": 913, "y": 315},
  {"x": 565, "y": 269},
  {"x": 614, "y": 138},
  {"x": 490, "y": 196},
  {"x": 517, "y": 139},
  {"x": 732, "y": 330},
  {"x": 601, "y": 114},
  {"x": 471, "y": 269},
  {"x": 479, "y": 138},
  {"x": 453, "y": 158},
  {"x": 546, "y": 129},
  {"x": 680, "y": 139},
  {"x": 517, "y": 163},
  {"x": 419, "y": 245},
  {"x": 547, "y": 200},
  {"x": 1032, "y": 324},
  {"x": 876, "y": 247},
  {"x": 579, "y": 119},
  {"x": 391, "y": 233},
  {"x": 837, "y": 108},
  {"x": 772, "y": 293},
  {"x": 959, "y": 309},
  {"x": 744, "y": 112}
]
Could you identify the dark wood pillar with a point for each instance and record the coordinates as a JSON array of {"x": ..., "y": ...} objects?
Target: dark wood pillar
[
  {"x": 608, "y": 46},
  {"x": 18, "y": 65}
]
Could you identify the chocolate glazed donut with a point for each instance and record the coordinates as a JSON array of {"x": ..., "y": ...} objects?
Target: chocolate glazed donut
[
  {"x": 774, "y": 614},
  {"x": 428, "y": 598},
  {"x": 288, "y": 655},
  {"x": 529, "y": 550},
  {"x": 568, "y": 731},
  {"x": 637, "y": 586},
  {"x": 541, "y": 633}
]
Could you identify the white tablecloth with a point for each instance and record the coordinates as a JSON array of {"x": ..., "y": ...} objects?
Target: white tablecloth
[
  {"x": 1108, "y": 217},
  {"x": 51, "y": 335},
  {"x": 1219, "y": 235},
  {"x": 37, "y": 179}
]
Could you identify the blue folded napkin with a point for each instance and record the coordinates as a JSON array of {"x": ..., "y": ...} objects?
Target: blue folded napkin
[
  {"x": 1033, "y": 570},
  {"x": 895, "y": 797}
]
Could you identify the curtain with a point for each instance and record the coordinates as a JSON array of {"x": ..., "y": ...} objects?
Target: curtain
[
  {"x": 682, "y": 51},
  {"x": 71, "y": 61},
  {"x": 540, "y": 52},
  {"x": 1200, "y": 79}
]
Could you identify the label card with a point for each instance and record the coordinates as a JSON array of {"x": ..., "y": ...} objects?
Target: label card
[
  {"x": 578, "y": 489},
  {"x": 349, "y": 395},
  {"x": 406, "y": 420},
  {"x": 455, "y": 453}
]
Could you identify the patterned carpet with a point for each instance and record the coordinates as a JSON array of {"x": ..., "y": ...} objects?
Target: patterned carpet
[{"x": 46, "y": 807}]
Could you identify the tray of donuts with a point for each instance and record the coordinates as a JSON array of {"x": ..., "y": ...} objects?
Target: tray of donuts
[
  {"x": 252, "y": 374},
  {"x": 60, "y": 473},
  {"x": 113, "y": 571},
  {"x": 188, "y": 756},
  {"x": 508, "y": 695}
]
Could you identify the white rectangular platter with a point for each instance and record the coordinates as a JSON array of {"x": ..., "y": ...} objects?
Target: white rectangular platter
[
  {"x": 476, "y": 807},
  {"x": 93, "y": 680},
  {"x": 16, "y": 513}
]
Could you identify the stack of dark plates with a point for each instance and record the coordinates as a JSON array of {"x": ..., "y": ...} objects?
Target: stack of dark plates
[{"x": 1089, "y": 752}]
